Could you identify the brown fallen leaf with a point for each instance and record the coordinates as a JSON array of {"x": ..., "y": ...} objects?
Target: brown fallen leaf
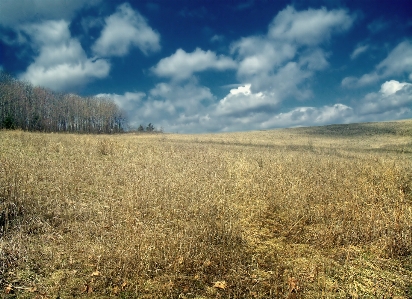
[{"x": 220, "y": 285}]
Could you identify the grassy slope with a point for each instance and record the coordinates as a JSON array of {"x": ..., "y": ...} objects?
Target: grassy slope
[{"x": 322, "y": 212}]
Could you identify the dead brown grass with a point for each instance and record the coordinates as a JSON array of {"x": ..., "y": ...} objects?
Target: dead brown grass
[{"x": 297, "y": 213}]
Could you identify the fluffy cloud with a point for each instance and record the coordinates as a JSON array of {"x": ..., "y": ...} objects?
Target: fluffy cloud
[
  {"x": 171, "y": 106},
  {"x": 397, "y": 63},
  {"x": 310, "y": 116},
  {"x": 314, "y": 60},
  {"x": 242, "y": 109},
  {"x": 309, "y": 27},
  {"x": 18, "y": 12},
  {"x": 393, "y": 97},
  {"x": 22, "y": 13},
  {"x": 61, "y": 63},
  {"x": 124, "y": 29},
  {"x": 391, "y": 87},
  {"x": 289, "y": 54},
  {"x": 269, "y": 67},
  {"x": 181, "y": 65},
  {"x": 127, "y": 102},
  {"x": 392, "y": 101},
  {"x": 186, "y": 99},
  {"x": 191, "y": 108},
  {"x": 259, "y": 55},
  {"x": 241, "y": 101}
]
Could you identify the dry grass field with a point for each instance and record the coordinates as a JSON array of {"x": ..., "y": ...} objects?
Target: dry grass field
[{"x": 323, "y": 212}]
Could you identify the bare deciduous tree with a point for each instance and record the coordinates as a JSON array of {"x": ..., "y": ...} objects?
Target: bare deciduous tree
[{"x": 39, "y": 109}]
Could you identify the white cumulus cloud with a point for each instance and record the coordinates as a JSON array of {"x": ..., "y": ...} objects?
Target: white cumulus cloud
[
  {"x": 392, "y": 101},
  {"x": 394, "y": 97},
  {"x": 310, "y": 116},
  {"x": 191, "y": 108},
  {"x": 241, "y": 101},
  {"x": 390, "y": 87},
  {"x": 309, "y": 27},
  {"x": 290, "y": 53},
  {"x": 127, "y": 101},
  {"x": 259, "y": 55},
  {"x": 124, "y": 29},
  {"x": 188, "y": 98},
  {"x": 174, "y": 107},
  {"x": 61, "y": 63},
  {"x": 181, "y": 65},
  {"x": 314, "y": 59}
]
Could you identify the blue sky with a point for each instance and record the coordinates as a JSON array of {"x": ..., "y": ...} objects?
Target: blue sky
[{"x": 194, "y": 66}]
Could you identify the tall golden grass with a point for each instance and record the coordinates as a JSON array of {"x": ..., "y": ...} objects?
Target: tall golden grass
[{"x": 296, "y": 213}]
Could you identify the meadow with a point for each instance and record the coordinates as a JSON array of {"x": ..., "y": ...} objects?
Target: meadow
[{"x": 320, "y": 212}]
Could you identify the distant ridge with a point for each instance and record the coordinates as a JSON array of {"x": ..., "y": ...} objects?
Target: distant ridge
[{"x": 398, "y": 127}]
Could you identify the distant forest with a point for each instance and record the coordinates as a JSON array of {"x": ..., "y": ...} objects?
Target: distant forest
[{"x": 23, "y": 106}]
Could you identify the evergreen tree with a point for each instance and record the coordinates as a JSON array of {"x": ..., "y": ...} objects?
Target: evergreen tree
[{"x": 150, "y": 128}]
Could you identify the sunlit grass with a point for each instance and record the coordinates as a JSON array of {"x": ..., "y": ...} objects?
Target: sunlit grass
[{"x": 297, "y": 213}]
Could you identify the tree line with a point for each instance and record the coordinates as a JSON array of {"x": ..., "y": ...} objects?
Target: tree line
[
  {"x": 31, "y": 108},
  {"x": 150, "y": 128}
]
